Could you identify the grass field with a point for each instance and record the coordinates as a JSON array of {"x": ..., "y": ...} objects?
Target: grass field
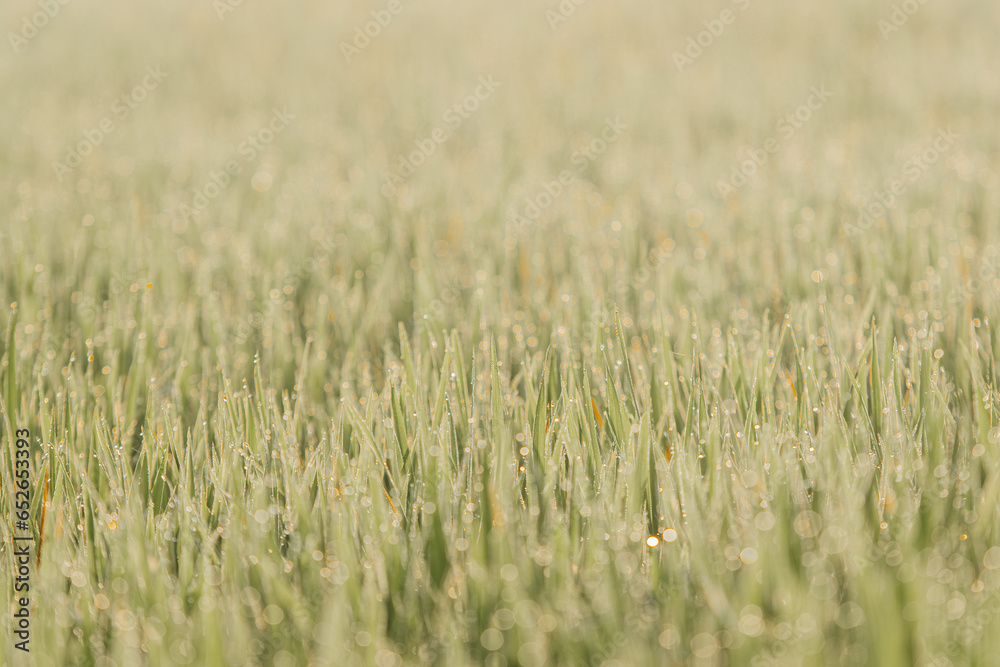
[{"x": 520, "y": 334}]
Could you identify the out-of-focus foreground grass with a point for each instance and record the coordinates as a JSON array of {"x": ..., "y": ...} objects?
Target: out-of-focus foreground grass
[{"x": 556, "y": 397}]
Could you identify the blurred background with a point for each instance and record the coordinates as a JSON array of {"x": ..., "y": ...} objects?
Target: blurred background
[{"x": 312, "y": 201}]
